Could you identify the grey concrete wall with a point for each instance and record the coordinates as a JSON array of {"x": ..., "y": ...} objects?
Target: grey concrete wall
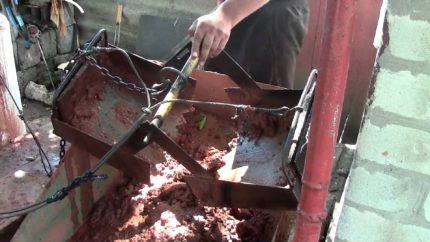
[
  {"x": 387, "y": 198},
  {"x": 55, "y": 47},
  {"x": 101, "y": 14}
]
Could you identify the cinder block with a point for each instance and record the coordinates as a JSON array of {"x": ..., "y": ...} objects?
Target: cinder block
[
  {"x": 395, "y": 145},
  {"x": 27, "y": 57},
  {"x": 382, "y": 191},
  {"x": 24, "y": 77},
  {"x": 44, "y": 78},
  {"x": 69, "y": 18},
  {"x": 411, "y": 92},
  {"x": 408, "y": 38},
  {"x": 359, "y": 225},
  {"x": 65, "y": 42},
  {"x": 419, "y": 9},
  {"x": 48, "y": 41},
  {"x": 39, "y": 2}
]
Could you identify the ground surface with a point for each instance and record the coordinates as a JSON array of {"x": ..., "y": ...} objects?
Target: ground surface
[{"x": 22, "y": 177}]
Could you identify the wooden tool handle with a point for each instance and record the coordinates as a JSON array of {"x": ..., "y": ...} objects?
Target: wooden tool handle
[
  {"x": 118, "y": 18},
  {"x": 177, "y": 86}
]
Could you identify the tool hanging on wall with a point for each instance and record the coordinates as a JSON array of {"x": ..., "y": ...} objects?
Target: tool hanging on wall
[
  {"x": 22, "y": 27},
  {"x": 57, "y": 16},
  {"x": 16, "y": 21},
  {"x": 118, "y": 18},
  {"x": 34, "y": 32}
]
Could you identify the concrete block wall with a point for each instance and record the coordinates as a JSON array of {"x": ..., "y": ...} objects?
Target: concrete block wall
[
  {"x": 388, "y": 193},
  {"x": 56, "y": 48},
  {"x": 101, "y": 14}
]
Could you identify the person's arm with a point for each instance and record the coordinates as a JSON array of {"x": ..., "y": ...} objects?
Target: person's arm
[{"x": 211, "y": 32}]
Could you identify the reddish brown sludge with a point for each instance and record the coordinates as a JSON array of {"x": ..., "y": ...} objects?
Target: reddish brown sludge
[{"x": 166, "y": 210}]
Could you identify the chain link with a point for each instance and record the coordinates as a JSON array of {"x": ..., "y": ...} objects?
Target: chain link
[
  {"x": 62, "y": 148},
  {"x": 115, "y": 79}
]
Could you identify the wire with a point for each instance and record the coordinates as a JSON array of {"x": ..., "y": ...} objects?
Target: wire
[
  {"x": 46, "y": 64},
  {"x": 121, "y": 141},
  {"x": 21, "y": 116},
  {"x": 133, "y": 67},
  {"x": 57, "y": 196},
  {"x": 174, "y": 70},
  {"x": 279, "y": 111},
  {"x": 23, "y": 211}
]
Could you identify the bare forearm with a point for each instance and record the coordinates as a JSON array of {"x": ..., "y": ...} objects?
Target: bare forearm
[
  {"x": 211, "y": 31},
  {"x": 236, "y": 10}
]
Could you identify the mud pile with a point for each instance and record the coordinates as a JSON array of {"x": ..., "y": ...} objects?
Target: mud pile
[
  {"x": 254, "y": 124},
  {"x": 166, "y": 210}
]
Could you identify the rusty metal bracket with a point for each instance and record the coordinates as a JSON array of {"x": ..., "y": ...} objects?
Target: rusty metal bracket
[
  {"x": 178, "y": 153},
  {"x": 135, "y": 144},
  {"x": 125, "y": 159},
  {"x": 241, "y": 195},
  {"x": 122, "y": 160}
]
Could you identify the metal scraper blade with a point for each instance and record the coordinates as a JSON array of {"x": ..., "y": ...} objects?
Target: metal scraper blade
[{"x": 220, "y": 193}]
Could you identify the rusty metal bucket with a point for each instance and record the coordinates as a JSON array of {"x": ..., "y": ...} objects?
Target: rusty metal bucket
[{"x": 94, "y": 107}]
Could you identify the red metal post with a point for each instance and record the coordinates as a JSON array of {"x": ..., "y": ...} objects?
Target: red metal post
[{"x": 327, "y": 109}]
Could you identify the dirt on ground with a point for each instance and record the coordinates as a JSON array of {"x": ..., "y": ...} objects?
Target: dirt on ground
[
  {"x": 22, "y": 177},
  {"x": 166, "y": 209}
]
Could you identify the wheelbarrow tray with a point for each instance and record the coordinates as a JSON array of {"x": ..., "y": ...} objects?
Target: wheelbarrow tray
[{"x": 92, "y": 112}]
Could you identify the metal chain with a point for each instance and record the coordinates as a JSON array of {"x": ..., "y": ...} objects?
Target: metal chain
[
  {"x": 115, "y": 79},
  {"x": 62, "y": 148}
]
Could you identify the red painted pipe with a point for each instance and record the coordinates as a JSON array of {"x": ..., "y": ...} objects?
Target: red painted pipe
[{"x": 327, "y": 109}]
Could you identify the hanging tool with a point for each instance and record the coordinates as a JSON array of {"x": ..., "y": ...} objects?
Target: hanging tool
[
  {"x": 16, "y": 21},
  {"x": 34, "y": 32},
  {"x": 118, "y": 18}
]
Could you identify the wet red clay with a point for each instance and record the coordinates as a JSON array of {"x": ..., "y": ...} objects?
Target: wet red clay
[
  {"x": 254, "y": 124},
  {"x": 166, "y": 210}
]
